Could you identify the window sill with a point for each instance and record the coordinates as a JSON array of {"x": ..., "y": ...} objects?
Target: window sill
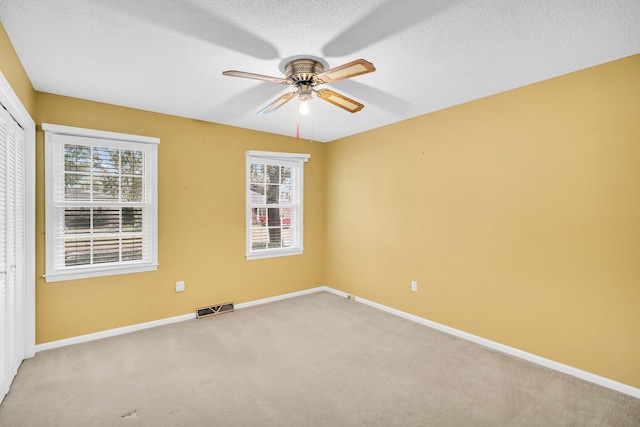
[
  {"x": 85, "y": 273},
  {"x": 273, "y": 254}
]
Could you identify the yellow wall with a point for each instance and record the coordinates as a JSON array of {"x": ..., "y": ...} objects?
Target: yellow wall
[
  {"x": 518, "y": 215},
  {"x": 13, "y": 71},
  {"x": 201, "y": 183}
]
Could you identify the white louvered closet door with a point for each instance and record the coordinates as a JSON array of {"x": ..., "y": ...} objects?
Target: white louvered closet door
[{"x": 12, "y": 249}]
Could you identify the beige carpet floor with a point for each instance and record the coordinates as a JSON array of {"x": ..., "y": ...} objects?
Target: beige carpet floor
[{"x": 315, "y": 360}]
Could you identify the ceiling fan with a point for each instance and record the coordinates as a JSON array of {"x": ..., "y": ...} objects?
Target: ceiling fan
[{"x": 304, "y": 74}]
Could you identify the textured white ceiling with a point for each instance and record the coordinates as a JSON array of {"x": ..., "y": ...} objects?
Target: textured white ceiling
[{"x": 168, "y": 55}]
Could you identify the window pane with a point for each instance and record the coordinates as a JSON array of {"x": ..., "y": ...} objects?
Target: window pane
[
  {"x": 106, "y": 160},
  {"x": 259, "y": 216},
  {"x": 285, "y": 175},
  {"x": 273, "y": 217},
  {"x": 275, "y": 236},
  {"x": 273, "y": 226},
  {"x": 106, "y": 249},
  {"x": 77, "y": 251},
  {"x": 273, "y": 174},
  {"x": 287, "y": 229},
  {"x": 106, "y": 220},
  {"x": 257, "y": 173},
  {"x": 258, "y": 194},
  {"x": 77, "y": 158},
  {"x": 106, "y": 187},
  {"x": 131, "y": 219},
  {"x": 131, "y": 248},
  {"x": 286, "y": 237},
  {"x": 285, "y": 193},
  {"x": 273, "y": 194},
  {"x": 132, "y": 162},
  {"x": 286, "y": 216},
  {"x": 259, "y": 236},
  {"x": 132, "y": 189},
  {"x": 77, "y": 220},
  {"x": 77, "y": 187}
]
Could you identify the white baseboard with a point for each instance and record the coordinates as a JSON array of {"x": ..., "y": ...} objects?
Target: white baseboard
[
  {"x": 335, "y": 292},
  {"x": 140, "y": 326},
  {"x": 556, "y": 366},
  {"x": 280, "y": 297},
  {"x": 113, "y": 332}
]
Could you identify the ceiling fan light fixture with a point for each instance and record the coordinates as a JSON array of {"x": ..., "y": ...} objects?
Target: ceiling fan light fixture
[
  {"x": 305, "y": 106},
  {"x": 304, "y": 98}
]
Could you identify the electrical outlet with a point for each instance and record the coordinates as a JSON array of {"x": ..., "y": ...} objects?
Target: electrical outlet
[
  {"x": 180, "y": 286},
  {"x": 414, "y": 286}
]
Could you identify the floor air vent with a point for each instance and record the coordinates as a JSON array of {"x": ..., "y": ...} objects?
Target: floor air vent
[{"x": 212, "y": 310}]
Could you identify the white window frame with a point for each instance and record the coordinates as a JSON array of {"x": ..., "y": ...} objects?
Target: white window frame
[
  {"x": 55, "y": 135},
  {"x": 296, "y": 161}
]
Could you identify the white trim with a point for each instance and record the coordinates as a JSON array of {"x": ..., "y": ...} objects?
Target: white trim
[
  {"x": 556, "y": 366},
  {"x": 274, "y": 253},
  {"x": 93, "y": 133},
  {"x": 86, "y": 273},
  {"x": 114, "y": 332},
  {"x": 167, "y": 321},
  {"x": 511, "y": 351},
  {"x": 13, "y": 104},
  {"x": 272, "y": 155},
  {"x": 280, "y": 297},
  {"x": 334, "y": 291}
]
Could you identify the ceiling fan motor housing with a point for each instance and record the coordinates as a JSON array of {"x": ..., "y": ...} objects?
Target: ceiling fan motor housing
[{"x": 303, "y": 71}]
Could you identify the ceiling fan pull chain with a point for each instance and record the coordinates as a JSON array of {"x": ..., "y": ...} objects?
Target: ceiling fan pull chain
[
  {"x": 298, "y": 122},
  {"x": 311, "y": 105}
]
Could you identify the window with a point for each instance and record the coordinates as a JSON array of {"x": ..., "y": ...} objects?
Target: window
[
  {"x": 274, "y": 204},
  {"x": 101, "y": 211}
]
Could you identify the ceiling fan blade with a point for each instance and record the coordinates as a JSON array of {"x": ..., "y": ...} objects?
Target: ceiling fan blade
[
  {"x": 277, "y": 103},
  {"x": 339, "y": 100},
  {"x": 345, "y": 71},
  {"x": 246, "y": 75}
]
